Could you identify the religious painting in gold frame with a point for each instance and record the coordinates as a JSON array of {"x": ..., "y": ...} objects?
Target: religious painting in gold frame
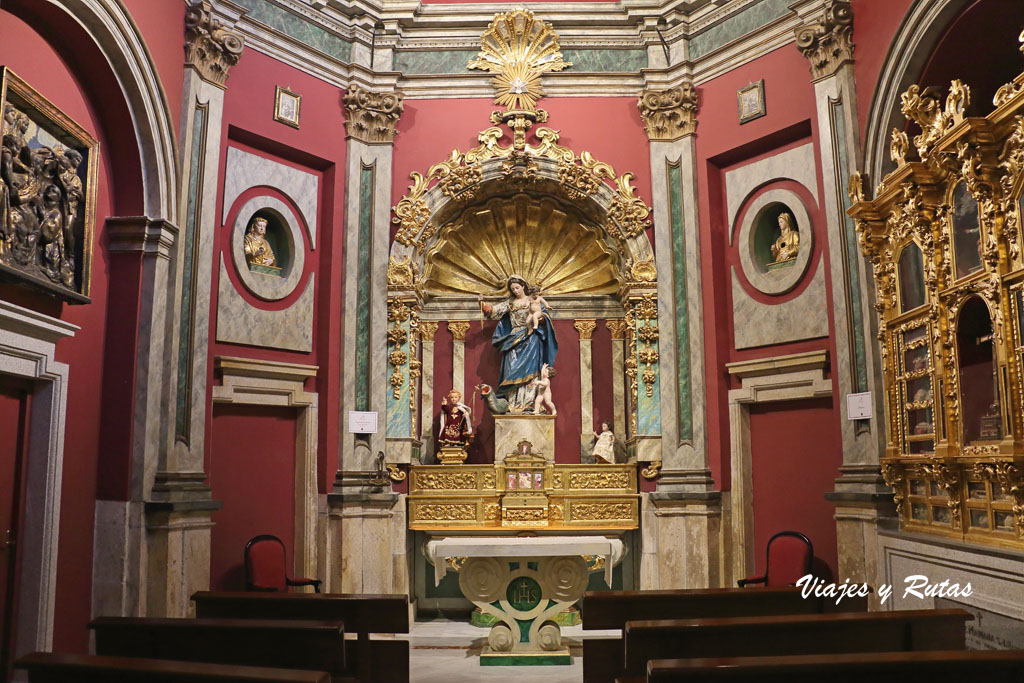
[
  {"x": 47, "y": 194},
  {"x": 286, "y": 106},
  {"x": 750, "y": 102}
]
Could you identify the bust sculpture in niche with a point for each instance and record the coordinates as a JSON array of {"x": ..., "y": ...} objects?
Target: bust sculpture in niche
[
  {"x": 258, "y": 251},
  {"x": 787, "y": 246}
]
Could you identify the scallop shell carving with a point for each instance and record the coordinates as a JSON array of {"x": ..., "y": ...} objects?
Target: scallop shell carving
[{"x": 548, "y": 244}]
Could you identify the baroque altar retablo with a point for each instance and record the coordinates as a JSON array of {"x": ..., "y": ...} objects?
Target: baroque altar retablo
[{"x": 523, "y": 492}]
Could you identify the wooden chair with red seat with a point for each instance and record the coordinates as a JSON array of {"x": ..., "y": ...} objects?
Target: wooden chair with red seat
[
  {"x": 790, "y": 556},
  {"x": 265, "y": 566}
]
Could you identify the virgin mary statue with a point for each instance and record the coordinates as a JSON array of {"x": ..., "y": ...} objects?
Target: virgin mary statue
[{"x": 524, "y": 349}]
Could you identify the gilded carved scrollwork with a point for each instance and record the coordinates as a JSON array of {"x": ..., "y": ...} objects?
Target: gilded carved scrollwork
[
  {"x": 210, "y": 46},
  {"x": 948, "y": 477},
  {"x": 594, "y": 512},
  {"x": 371, "y": 116},
  {"x": 1010, "y": 478},
  {"x": 446, "y": 481},
  {"x": 669, "y": 114},
  {"x": 969, "y": 250},
  {"x": 598, "y": 480},
  {"x": 828, "y": 42},
  {"x": 446, "y": 512}
]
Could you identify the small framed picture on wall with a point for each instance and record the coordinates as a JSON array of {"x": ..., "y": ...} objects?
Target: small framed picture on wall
[
  {"x": 286, "y": 107},
  {"x": 750, "y": 101}
]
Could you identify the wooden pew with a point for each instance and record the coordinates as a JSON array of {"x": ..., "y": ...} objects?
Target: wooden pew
[
  {"x": 49, "y": 667},
  {"x": 991, "y": 666},
  {"x": 603, "y": 657},
  {"x": 801, "y": 634},
  {"x": 372, "y": 661},
  {"x": 285, "y": 644}
]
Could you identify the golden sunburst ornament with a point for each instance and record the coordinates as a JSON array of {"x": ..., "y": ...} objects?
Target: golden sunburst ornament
[{"x": 518, "y": 48}]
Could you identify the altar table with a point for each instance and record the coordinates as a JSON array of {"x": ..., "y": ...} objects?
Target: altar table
[{"x": 525, "y": 583}]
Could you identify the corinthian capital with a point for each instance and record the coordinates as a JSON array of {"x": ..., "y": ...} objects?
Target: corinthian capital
[
  {"x": 371, "y": 116},
  {"x": 210, "y": 47},
  {"x": 669, "y": 114},
  {"x": 828, "y": 42}
]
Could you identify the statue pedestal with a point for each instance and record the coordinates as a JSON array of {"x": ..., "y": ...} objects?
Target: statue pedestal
[
  {"x": 452, "y": 456},
  {"x": 509, "y": 430}
]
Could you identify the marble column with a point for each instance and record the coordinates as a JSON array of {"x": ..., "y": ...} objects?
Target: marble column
[
  {"x": 825, "y": 37},
  {"x": 359, "y": 511},
  {"x": 585, "y": 328},
  {"x": 427, "y": 331},
  {"x": 459, "y": 328},
  {"x": 617, "y": 328},
  {"x": 685, "y": 504},
  {"x": 159, "y": 540}
]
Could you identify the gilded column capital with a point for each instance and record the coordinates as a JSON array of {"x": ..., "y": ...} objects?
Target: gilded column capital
[
  {"x": 458, "y": 328},
  {"x": 427, "y": 330},
  {"x": 828, "y": 42},
  {"x": 585, "y": 328},
  {"x": 371, "y": 116},
  {"x": 617, "y": 326},
  {"x": 210, "y": 47},
  {"x": 669, "y": 114}
]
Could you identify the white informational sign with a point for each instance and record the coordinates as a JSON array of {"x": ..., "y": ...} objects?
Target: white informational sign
[
  {"x": 362, "y": 422},
  {"x": 858, "y": 406}
]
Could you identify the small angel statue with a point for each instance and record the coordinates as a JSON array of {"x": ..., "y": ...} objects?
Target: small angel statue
[
  {"x": 604, "y": 447},
  {"x": 543, "y": 384}
]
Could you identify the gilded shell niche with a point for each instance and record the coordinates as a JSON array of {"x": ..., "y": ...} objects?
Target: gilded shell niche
[{"x": 549, "y": 244}]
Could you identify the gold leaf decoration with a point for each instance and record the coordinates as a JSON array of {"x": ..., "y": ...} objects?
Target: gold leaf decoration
[
  {"x": 518, "y": 48},
  {"x": 548, "y": 244}
]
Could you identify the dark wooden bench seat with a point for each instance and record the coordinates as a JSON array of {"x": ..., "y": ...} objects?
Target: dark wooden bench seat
[
  {"x": 370, "y": 660},
  {"x": 866, "y": 632},
  {"x": 991, "y": 666},
  {"x": 603, "y": 657},
  {"x": 285, "y": 644},
  {"x": 50, "y": 667}
]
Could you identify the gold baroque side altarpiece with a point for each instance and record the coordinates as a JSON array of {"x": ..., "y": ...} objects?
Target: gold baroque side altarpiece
[{"x": 944, "y": 240}]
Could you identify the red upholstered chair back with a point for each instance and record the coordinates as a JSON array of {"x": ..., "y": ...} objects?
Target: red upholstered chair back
[
  {"x": 265, "y": 564},
  {"x": 790, "y": 556}
]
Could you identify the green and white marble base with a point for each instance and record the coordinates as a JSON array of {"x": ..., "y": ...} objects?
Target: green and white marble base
[
  {"x": 491, "y": 658},
  {"x": 509, "y": 430}
]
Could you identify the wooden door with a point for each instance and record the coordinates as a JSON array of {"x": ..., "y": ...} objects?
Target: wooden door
[{"x": 14, "y": 402}]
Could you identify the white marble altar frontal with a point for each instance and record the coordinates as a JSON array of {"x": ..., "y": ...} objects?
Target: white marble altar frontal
[{"x": 534, "y": 546}]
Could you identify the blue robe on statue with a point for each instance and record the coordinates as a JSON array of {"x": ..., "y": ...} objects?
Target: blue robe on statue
[{"x": 524, "y": 350}]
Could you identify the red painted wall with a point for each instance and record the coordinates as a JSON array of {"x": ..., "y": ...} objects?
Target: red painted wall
[
  {"x": 795, "y": 457},
  {"x": 58, "y": 62},
  {"x": 317, "y": 147},
  {"x": 874, "y": 26},
  {"x": 252, "y": 470},
  {"x": 790, "y": 121}
]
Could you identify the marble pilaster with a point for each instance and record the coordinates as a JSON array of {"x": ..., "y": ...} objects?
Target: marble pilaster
[
  {"x": 359, "y": 513},
  {"x": 670, "y": 119},
  {"x": 427, "y": 331},
  {"x": 459, "y": 328},
  {"x": 585, "y": 328},
  {"x": 861, "y": 497},
  {"x": 617, "y": 328}
]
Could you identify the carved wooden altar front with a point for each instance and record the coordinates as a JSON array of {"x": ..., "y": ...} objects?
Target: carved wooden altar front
[{"x": 523, "y": 492}]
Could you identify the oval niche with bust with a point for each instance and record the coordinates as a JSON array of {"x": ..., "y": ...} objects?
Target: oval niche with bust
[{"x": 775, "y": 241}]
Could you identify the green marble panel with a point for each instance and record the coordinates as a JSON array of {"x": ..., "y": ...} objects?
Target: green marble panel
[
  {"x": 605, "y": 61},
  {"x": 433, "y": 61},
  {"x": 454, "y": 61},
  {"x": 183, "y": 399},
  {"x": 683, "y": 377},
  {"x": 363, "y": 277},
  {"x": 648, "y": 413},
  {"x": 853, "y": 291},
  {"x": 298, "y": 27},
  {"x": 747, "y": 21}
]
